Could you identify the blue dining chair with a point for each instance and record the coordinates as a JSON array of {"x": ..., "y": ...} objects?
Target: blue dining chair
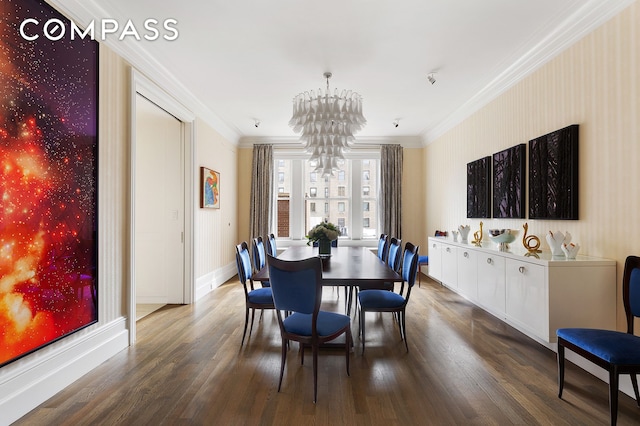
[
  {"x": 272, "y": 248},
  {"x": 297, "y": 290},
  {"x": 615, "y": 351},
  {"x": 255, "y": 298},
  {"x": 259, "y": 257},
  {"x": 422, "y": 261},
  {"x": 375, "y": 300},
  {"x": 383, "y": 244},
  {"x": 394, "y": 253}
]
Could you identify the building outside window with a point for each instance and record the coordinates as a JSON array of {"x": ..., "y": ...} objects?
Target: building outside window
[{"x": 348, "y": 187}]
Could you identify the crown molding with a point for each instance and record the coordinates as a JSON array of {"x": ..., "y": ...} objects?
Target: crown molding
[
  {"x": 82, "y": 12},
  {"x": 586, "y": 19},
  {"x": 364, "y": 142}
]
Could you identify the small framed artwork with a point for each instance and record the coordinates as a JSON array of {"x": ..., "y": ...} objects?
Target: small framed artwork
[
  {"x": 209, "y": 188},
  {"x": 553, "y": 175},
  {"x": 479, "y": 188},
  {"x": 508, "y": 182}
]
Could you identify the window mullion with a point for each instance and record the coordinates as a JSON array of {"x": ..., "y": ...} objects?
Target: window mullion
[{"x": 356, "y": 199}]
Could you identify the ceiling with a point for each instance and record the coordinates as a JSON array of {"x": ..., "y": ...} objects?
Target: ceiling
[{"x": 245, "y": 60}]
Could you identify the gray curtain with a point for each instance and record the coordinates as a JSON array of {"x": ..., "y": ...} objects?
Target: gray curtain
[
  {"x": 261, "y": 190},
  {"x": 391, "y": 189}
]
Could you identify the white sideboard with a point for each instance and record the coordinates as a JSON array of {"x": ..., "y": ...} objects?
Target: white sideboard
[{"x": 535, "y": 295}]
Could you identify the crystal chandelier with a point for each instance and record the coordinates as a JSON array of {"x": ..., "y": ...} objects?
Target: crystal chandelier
[{"x": 327, "y": 124}]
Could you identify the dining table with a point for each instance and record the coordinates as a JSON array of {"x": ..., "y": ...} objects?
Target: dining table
[{"x": 346, "y": 266}]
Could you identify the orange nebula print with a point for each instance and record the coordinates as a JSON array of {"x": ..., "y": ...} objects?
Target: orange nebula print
[{"x": 48, "y": 185}]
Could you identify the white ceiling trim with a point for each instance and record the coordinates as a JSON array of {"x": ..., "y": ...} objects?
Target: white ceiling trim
[
  {"x": 82, "y": 12},
  {"x": 585, "y": 20},
  {"x": 368, "y": 142}
]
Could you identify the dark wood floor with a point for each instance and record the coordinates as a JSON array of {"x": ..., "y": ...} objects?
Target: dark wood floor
[{"x": 464, "y": 367}]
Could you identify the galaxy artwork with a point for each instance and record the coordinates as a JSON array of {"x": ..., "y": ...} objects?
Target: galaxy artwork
[{"x": 48, "y": 183}]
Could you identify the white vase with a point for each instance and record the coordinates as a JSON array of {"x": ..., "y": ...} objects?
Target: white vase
[
  {"x": 464, "y": 232},
  {"x": 570, "y": 250},
  {"x": 556, "y": 240}
]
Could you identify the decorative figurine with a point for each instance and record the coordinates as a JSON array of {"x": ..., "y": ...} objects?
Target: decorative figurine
[
  {"x": 531, "y": 242},
  {"x": 455, "y": 236},
  {"x": 556, "y": 240},
  {"x": 464, "y": 232},
  {"x": 570, "y": 250},
  {"x": 477, "y": 237}
]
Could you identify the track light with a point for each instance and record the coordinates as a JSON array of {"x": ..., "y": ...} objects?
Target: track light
[
  {"x": 432, "y": 77},
  {"x": 257, "y": 123},
  {"x": 396, "y": 123}
]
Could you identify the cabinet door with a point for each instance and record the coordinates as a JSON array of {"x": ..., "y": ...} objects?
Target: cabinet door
[
  {"x": 468, "y": 273},
  {"x": 435, "y": 260},
  {"x": 491, "y": 283},
  {"x": 449, "y": 266},
  {"x": 527, "y": 297}
]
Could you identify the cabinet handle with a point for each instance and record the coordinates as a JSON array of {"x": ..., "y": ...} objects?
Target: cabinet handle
[
  {"x": 466, "y": 254},
  {"x": 448, "y": 250},
  {"x": 489, "y": 260},
  {"x": 521, "y": 269},
  {"x": 434, "y": 246}
]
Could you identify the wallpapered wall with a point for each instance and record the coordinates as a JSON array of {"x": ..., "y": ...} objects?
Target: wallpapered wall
[{"x": 594, "y": 84}]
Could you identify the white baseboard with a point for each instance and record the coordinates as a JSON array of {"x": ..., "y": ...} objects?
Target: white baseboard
[
  {"x": 39, "y": 376},
  {"x": 214, "y": 279}
]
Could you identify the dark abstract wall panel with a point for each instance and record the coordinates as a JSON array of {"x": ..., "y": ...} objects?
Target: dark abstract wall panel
[
  {"x": 508, "y": 182},
  {"x": 553, "y": 175},
  {"x": 479, "y": 188},
  {"x": 48, "y": 183}
]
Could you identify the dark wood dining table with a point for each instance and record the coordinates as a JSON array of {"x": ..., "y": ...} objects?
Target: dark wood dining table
[{"x": 347, "y": 266}]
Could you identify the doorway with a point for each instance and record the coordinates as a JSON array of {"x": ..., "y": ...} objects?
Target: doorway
[{"x": 161, "y": 211}]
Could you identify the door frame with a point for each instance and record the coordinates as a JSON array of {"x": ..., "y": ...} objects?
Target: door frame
[{"x": 145, "y": 87}]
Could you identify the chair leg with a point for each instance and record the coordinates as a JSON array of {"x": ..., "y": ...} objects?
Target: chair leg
[
  {"x": 347, "y": 348},
  {"x": 283, "y": 360},
  {"x": 560, "y": 369},
  {"x": 362, "y": 328},
  {"x": 253, "y": 315},
  {"x": 246, "y": 321},
  {"x": 634, "y": 382},
  {"x": 613, "y": 394},
  {"x": 404, "y": 330},
  {"x": 315, "y": 372}
]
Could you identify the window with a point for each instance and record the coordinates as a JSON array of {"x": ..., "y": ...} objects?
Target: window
[
  {"x": 281, "y": 177},
  {"x": 280, "y": 190},
  {"x": 348, "y": 195}
]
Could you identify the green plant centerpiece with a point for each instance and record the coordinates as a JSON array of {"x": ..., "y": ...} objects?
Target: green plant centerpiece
[{"x": 323, "y": 233}]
